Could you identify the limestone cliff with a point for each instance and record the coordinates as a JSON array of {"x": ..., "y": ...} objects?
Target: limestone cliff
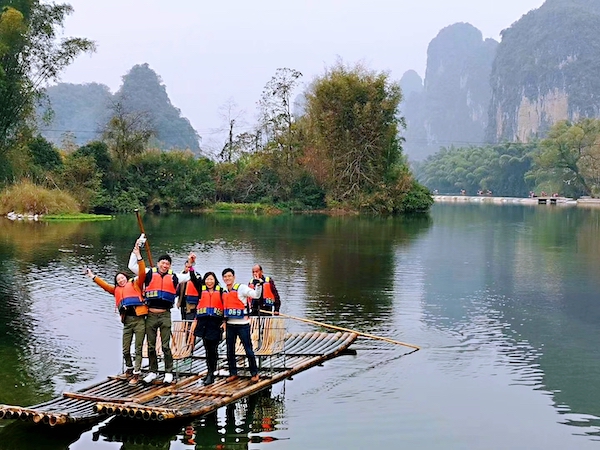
[
  {"x": 452, "y": 107},
  {"x": 546, "y": 70}
]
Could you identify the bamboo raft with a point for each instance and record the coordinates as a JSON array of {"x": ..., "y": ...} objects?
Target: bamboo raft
[{"x": 280, "y": 356}]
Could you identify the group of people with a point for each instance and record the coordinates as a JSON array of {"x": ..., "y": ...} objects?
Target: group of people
[{"x": 144, "y": 303}]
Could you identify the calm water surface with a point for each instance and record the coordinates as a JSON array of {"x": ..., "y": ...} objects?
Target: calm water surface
[{"x": 504, "y": 301}]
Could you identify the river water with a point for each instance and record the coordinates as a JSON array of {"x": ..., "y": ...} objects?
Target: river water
[{"x": 503, "y": 299}]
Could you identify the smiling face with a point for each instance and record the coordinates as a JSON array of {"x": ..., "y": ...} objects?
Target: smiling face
[
  {"x": 121, "y": 280},
  {"x": 228, "y": 278},
  {"x": 210, "y": 282},
  {"x": 163, "y": 266}
]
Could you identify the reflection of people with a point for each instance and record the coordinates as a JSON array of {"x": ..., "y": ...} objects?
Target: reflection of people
[
  {"x": 132, "y": 309},
  {"x": 160, "y": 290},
  {"x": 269, "y": 299},
  {"x": 209, "y": 319},
  {"x": 237, "y": 309}
]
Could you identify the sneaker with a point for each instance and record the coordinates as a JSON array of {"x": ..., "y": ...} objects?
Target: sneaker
[
  {"x": 168, "y": 378},
  {"x": 150, "y": 377},
  {"x": 129, "y": 372},
  {"x": 231, "y": 378},
  {"x": 254, "y": 378},
  {"x": 135, "y": 378}
]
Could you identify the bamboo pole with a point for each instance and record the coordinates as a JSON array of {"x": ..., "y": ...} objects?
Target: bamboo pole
[
  {"x": 147, "y": 243},
  {"x": 334, "y": 327}
]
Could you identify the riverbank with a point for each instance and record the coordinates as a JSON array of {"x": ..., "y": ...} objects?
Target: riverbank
[{"x": 564, "y": 201}]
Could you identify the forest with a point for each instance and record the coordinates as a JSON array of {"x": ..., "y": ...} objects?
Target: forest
[{"x": 344, "y": 153}]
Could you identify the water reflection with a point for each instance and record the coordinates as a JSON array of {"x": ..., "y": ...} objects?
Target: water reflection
[{"x": 252, "y": 420}]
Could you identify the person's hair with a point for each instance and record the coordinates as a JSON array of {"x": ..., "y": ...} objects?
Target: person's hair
[
  {"x": 165, "y": 257},
  {"x": 120, "y": 273},
  {"x": 257, "y": 265},
  {"x": 228, "y": 270},
  {"x": 213, "y": 275}
]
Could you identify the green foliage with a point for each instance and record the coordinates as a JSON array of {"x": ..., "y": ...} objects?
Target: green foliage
[
  {"x": 43, "y": 153},
  {"x": 501, "y": 169},
  {"x": 569, "y": 158},
  {"x": 76, "y": 217},
  {"x": 30, "y": 55},
  {"x": 82, "y": 179},
  {"x": 353, "y": 132}
]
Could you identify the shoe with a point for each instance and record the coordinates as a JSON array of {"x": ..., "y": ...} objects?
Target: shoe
[
  {"x": 254, "y": 378},
  {"x": 150, "y": 377},
  {"x": 135, "y": 378},
  {"x": 210, "y": 379},
  {"x": 168, "y": 378},
  {"x": 231, "y": 378},
  {"x": 129, "y": 372}
]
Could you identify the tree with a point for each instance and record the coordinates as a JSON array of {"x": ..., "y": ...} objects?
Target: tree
[
  {"x": 30, "y": 55},
  {"x": 569, "y": 157},
  {"x": 234, "y": 118},
  {"x": 354, "y": 126},
  {"x": 127, "y": 134}
]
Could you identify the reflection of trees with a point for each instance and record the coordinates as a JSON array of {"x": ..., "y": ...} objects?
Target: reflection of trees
[
  {"x": 259, "y": 413},
  {"x": 530, "y": 275},
  {"x": 26, "y": 436}
]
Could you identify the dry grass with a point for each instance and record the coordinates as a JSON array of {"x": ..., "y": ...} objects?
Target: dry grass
[{"x": 27, "y": 198}]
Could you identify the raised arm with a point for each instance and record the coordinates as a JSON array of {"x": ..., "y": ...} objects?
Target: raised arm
[{"x": 100, "y": 282}]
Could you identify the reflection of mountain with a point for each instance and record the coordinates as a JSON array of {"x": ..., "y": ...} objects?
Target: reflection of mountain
[{"x": 524, "y": 281}]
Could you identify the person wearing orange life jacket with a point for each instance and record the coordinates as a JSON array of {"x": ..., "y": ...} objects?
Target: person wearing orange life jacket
[
  {"x": 209, "y": 319},
  {"x": 129, "y": 302},
  {"x": 237, "y": 303},
  {"x": 160, "y": 291},
  {"x": 269, "y": 300},
  {"x": 188, "y": 299}
]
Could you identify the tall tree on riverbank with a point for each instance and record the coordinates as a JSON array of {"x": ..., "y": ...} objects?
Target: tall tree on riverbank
[
  {"x": 354, "y": 147},
  {"x": 30, "y": 55}
]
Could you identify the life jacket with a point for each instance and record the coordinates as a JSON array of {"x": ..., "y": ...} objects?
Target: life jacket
[
  {"x": 191, "y": 293},
  {"x": 267, "y": 293},
  {"x": 129, "y": 295},
  {"x": 234, "y": 307},
  {"x": 210, "y": 304},
  {"x": 161, "y": 291}
]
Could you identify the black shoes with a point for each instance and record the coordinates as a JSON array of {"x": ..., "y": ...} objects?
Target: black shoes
[{"x": 210, "y": 379}]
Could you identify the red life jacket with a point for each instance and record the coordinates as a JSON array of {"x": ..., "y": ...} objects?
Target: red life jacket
[
  {"x": 191, "y": 293},
  {"x": 161, "y": 291},
  {"x": 129, "y": 295},
  {"x": 234, "y": 307},
  {"x": 211, "y": 303}
]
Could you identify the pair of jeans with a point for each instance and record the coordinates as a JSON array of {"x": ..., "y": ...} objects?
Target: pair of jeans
[
  {"x": 243, "y": 331},
  {"x": 134, "y": 326},
  {"x": 154, "y": 322}
]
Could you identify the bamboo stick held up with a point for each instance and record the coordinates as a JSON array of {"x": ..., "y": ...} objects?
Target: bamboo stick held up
[{"x": 147, "y": 243}]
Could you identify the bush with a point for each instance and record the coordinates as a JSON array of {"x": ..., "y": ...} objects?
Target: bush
[{"x": 27, "y": 198}]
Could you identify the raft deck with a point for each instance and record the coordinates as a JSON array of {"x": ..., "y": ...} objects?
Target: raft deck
[{"x": 188, "y": 397}]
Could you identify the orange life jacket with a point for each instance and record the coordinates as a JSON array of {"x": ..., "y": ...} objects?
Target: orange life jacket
[
  {"x": 211, "y": 303},
  {"x": 191, "y": 293},
  {"x": 267, "y": 292},
  {"x": 129, "y": 295},
  {"x": 161, "y": 291},
  {"x": 234, "y": 307}
]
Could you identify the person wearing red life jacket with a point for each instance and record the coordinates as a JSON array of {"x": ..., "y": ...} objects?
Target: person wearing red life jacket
[
  {"x": 129, "y": 303},
  {"x": 237, "y": 303},
  {"x": 160, "y": 290},
  {"x": 269, "y": 300},
  {"x": 209, "y": 321}
]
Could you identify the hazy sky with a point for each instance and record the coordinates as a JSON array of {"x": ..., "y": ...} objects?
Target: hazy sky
[{"x": 207, "y": 52}]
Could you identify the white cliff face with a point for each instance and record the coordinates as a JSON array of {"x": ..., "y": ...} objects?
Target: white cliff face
[{"x": 535, "y": 116}]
